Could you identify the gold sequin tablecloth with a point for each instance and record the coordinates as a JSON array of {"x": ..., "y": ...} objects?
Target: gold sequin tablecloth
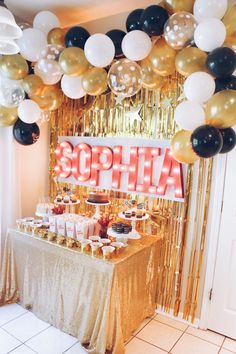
[{"x": 100, "y": 302}]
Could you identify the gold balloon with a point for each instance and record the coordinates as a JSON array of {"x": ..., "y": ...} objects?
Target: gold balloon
[
  {"x": 150, "y": 79},
  {"x": 8, "y": 116},
  {"x": 73, "y": 61},
  {"x": 14, "y": 67},
  {"x": 229, "y": 21},
  {"x": 56, "y": 36},
  {"x": 50, "y": 98},
  {"x": 94, "y": 81},
  {"x": 189, "y": 60},
  {"x": 162, "y": 58},
  {"x": 181, "y": 147},
  {"x": 221, "y": 109},
  {"x": 178, "y": 5},
  {"x": 33, "y": 85}
]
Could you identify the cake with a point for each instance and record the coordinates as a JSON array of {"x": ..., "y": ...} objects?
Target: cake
[
  {"x": 97, "y": 197},
  {"x": 121, "y": 228}
]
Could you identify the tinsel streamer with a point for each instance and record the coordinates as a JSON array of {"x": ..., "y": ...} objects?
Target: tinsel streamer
[
  {"x": 203, "y": 240},
  {"x": 102, "y": 116},
  {"x": 182, "y": 239},
  {"x": 193, "y": 257}
]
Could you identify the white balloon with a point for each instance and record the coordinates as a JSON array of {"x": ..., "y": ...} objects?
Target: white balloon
[
  {"x": 199, "y": 87},
  {"x": 189, "y": 115},
  {"x": 45, "y": 21},
  {"x": 209, "y": 9},
  {"x": 210, "y": 34},
  {"x": 32, "y": 44},
  {"x": 8, "y": 47},
  {"x": 99, "y": 50},
  {"x": 49, "y": 71},
  {"x": 72, "y": 86},
  {"x": 29, "y": 111},
  {"x": 136, "y": 45},
  {"x": 8, "y": 27}
]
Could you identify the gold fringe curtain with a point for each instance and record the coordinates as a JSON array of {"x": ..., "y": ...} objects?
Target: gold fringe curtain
[{"x": 102, "y": 116}]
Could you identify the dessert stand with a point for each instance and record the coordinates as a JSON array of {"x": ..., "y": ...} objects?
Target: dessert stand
[
  {"x": 70, "y": 207},
  {"x": 114, "y": 234},
  {"x": 97, "y": 206},
  {"x": 133, "y": 235}
]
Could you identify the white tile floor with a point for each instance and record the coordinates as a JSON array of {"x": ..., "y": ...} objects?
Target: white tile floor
[{"x": 22, "y": 333}]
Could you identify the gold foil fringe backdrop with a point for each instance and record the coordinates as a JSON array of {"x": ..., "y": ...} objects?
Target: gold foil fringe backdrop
[{"x": 149, "y": 114}]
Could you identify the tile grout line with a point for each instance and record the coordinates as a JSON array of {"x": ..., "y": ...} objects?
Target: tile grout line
[
  {"x": 221, "y": 345},
  {"x": 153, "y": 345},
  {"x": 14, "y": 318},
  {"x": 182, "y": 330},
  {"x": 72, "y": 346},
  {"x": 178, "y": 340},
  {"x": 134, "y": 335},
  {"x": 28, "y": 338},
  {"x": 193, "y": 335}
]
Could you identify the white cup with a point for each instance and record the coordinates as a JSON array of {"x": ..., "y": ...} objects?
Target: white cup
[
  {"x": 107, "y": 251},
  {"x": 95, "y": 247}
]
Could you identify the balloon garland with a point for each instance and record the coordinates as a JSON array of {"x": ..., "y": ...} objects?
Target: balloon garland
[{"x": 194, "y": 38}]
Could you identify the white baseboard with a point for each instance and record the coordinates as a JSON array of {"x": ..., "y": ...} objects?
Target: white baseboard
[{"x": 179, "y": 318}]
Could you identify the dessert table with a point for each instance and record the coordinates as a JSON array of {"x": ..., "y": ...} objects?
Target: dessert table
[{"x": 101, "y": 302}]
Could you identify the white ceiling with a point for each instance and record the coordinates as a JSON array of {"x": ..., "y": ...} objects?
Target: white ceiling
[{"x": 71, "y": 12}]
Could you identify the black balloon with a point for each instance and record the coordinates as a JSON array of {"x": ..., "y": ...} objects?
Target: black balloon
[
  {"x": 133, "y": 20},
  {"x": 153, "y": 20},
  {"x": 76, "y": 37},
  {"x": 221, "y": 62},
  {"x": 229, "y": 83},
  {"x": 26, "y": 134},
  {"x": 117, "y": 36},
  {"x": 31, "y": 69},
  {"x": 206, "y": 141},
  {"x": 229, "y": 140}
]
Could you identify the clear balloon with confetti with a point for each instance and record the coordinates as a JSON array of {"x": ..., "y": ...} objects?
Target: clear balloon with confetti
[{"x": 125, "y": 78}]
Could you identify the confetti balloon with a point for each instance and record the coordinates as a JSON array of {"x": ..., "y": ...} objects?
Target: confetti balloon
[
  {"x": 49, "y": 71},
  {"x": 11, "y": 92},
  {"x": 179, "y": 30},
  {"x": 125, "y": 78},
  {"x": 52, "y": 52}
]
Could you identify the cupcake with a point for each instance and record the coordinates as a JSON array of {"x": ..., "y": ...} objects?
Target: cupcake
[
  {"x": 66, "y": 199},
  {"x": 60, "y": 240},
  {"x": 59, "y": 198},
  {"x": 128, "y": 214},
  {"x": 139, "y": 214},
  {"x": 73, "y": 198}
]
